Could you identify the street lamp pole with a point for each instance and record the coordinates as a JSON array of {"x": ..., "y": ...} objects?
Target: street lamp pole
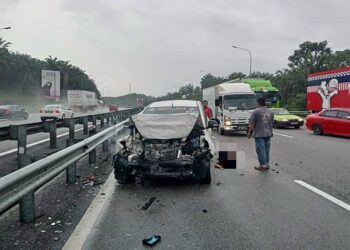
[{"x": 250, "y": 57}]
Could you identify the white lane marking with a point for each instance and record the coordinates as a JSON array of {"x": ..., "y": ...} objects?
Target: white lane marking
[
  {"x": 288, "y": 136},
  {"x": 82, "y": 230},
  {"x": 324, "y": 195}
]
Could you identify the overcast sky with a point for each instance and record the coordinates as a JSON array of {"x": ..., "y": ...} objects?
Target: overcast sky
[{"x": 157, "y": 44}]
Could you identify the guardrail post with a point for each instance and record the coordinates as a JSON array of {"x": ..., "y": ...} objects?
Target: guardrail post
[
  {"x": 53, "y": 134},
  {"x": 27, "y": 203},
  {"x": 71, "y": 171},
  {"x": 94, "y": 129},
  {"x": 86, "y": 125},
  {"x": 114, "y": 137},
  {"x": 102, "y": 119},
  {"x": 27, "y": 208},
  {"x": 92, "y": 157},
  {"x": 22, "y": 146}
]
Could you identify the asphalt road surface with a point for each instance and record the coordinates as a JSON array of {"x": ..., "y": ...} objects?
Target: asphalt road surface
[{"x": 242, "y": 208}]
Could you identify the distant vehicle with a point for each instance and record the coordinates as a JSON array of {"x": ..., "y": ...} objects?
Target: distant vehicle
[
  {"x": 113, "y": 108},
  {"x": 55, "y": 111},
  {"x": 168, "y": 139},
  {"x": 13, "y": 112},
  {"x": 232, "y": 105},
  {"x": 263, "y": 88},
  {"x": 328, "y": 89},
  {"x": 82, "y": 101},
  {"x": 335, "y": 121},
  {"x": 284, "y": 119}
]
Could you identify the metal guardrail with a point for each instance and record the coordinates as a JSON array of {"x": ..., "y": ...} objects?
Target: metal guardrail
[
  {"x": 20, "y": 186},
  {"x": 9, "y": 132}
]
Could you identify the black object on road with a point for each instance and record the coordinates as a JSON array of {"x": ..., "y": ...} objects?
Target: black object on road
[
  {"x": 152, "y": 241},
  {"x": 149, "y": 203}
]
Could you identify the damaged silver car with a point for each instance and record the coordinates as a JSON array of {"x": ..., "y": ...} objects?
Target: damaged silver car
[{"x": 167, "y": 139}]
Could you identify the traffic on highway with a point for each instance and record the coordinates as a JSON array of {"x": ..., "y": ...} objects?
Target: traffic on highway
[{"x": 174, "y": 125}]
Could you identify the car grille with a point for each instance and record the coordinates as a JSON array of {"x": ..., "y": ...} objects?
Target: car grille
[
  {"x": 154, "y": 152},
  {"x": 239, "y": 121}
]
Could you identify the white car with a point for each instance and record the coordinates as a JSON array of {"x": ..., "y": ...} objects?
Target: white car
[
  {"x": 56, "y": 111},
  {"x": 168, "y": 139}
]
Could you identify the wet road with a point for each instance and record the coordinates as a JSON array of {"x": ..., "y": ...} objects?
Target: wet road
[{"x": 243, "y": 208}]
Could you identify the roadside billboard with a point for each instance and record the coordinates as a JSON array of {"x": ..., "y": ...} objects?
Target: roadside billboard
[
  {"x": 50, "y": 84},
  {"x": 139, "y": 102}
]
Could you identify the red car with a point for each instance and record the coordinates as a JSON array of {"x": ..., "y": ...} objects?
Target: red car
[{"x": 334, "y": 121}]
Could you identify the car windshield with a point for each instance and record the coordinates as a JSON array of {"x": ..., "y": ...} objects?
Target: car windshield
[
  {"x": 270, "y": 97},
  {"x": 280, "y": 112},
  {"x": 51, "y": 107},
  {"x": 5, "y": 107},
  {"x": 241, "y": 102},
  {"x": 171, "y": 110}
]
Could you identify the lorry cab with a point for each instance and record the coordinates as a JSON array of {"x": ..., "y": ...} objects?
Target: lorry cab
[{"x": 234, "y": 103}]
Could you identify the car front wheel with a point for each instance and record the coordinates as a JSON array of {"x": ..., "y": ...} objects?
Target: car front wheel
[
  {"x": 202, "y": 171},
  {"x": 317, "y": 129}
]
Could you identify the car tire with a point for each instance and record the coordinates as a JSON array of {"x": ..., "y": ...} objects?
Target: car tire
[
  {"x": 275, "y": 125},
  {"x": 221, "y": 131},
  {"x": 317, "y": 129},
  {"x": 122, "y": 172},
  {"x": 43, "y": 119},
  {"x": 202, "y": 171},
  {"x": 297, "y": 127}
]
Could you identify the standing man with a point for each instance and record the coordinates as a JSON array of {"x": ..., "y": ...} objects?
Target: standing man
[
  {"x": 207, "y": 110},
  {"x": 261, "y": 123}
]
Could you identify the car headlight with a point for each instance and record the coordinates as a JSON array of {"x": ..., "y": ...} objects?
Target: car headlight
[
  {"x": 300, "y": 120},
  {"x": 228, "y": 123},
  {"x": 284, "y": 120}
]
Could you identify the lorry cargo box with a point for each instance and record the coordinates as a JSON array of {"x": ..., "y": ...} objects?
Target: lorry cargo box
[{"x": 328, "y": 89}]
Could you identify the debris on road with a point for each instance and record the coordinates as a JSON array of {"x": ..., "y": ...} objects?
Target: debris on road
[
  {"x": 218, "y": 183},
  {"x": 56, "y": 238},
  {"x": 241, "y": 174},
  {"x": 58, "y": 232},
  {"x": 277, "y": 172},
  {"x": 152, "y": 241},
  {"x": 276, "y": 164},
  {"x": 149, "y": 203},
  {"x": 205, "y": 211}
]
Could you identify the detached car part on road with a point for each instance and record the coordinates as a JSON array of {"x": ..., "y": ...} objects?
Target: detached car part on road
[
  {"x": 284, "y": 119},
  {"x": 167, "y": 139}
]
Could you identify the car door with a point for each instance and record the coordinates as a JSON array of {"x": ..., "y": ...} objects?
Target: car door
[
  {"x": 343, "y": 123},
  {"x": 329, "y": 121}
]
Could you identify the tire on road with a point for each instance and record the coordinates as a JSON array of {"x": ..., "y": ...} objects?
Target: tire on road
[
  {"x": 221, "y": 131},
  {"x": 317, "y": 129},
  {"x": 297, "y": 126}
]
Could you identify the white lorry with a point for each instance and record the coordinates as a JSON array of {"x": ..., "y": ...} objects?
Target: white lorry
[
  {"x": 81, "y": 100},
  {"x": 232, "y": 105}
]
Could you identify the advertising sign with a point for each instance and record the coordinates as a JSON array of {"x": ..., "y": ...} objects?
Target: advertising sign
[{"x": 50, "y": 84}]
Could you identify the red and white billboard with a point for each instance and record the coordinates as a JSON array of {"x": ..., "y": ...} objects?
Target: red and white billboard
[{"x": 328, "y": 89}]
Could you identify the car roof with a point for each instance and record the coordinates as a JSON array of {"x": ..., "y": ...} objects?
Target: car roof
[
  {"x": 174, "y": 103},
  {"x": 341, "y": 109}
]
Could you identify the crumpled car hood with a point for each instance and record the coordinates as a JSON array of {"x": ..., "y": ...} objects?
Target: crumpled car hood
[{"x": 174, "y": 126}]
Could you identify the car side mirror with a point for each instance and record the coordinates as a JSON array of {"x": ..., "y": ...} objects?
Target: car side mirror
[
  {"x": 217, "y": 103},
  {"x": 212, "y": 124}
]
